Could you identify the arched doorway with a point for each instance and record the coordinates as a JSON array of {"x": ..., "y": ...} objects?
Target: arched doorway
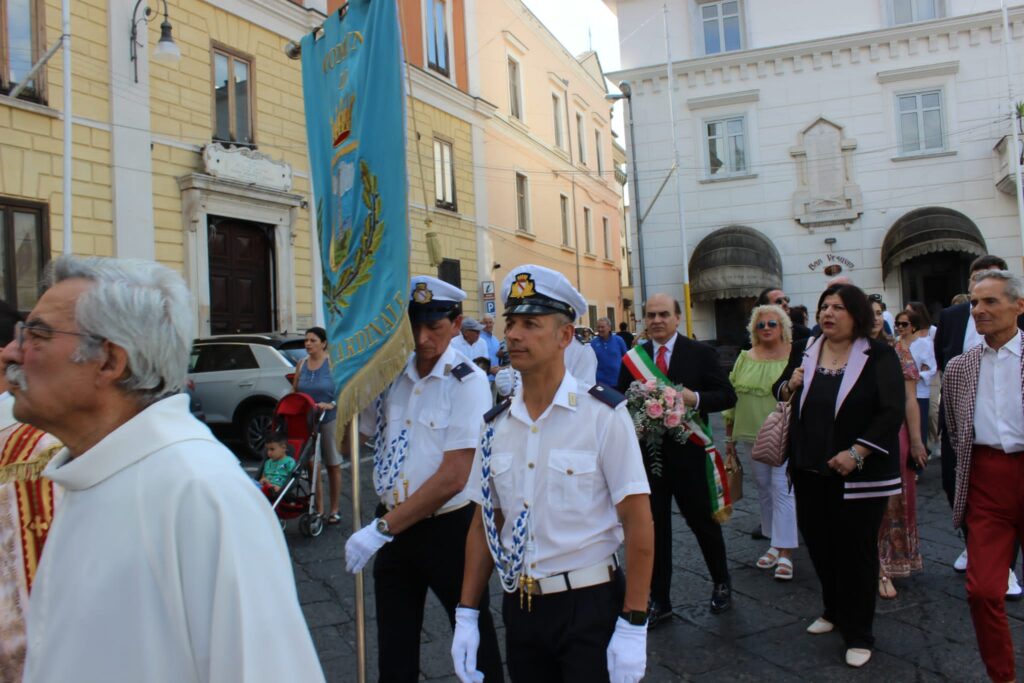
[
  {"x": 730, "y": 267},
  {"x": 932, "y": 249}
]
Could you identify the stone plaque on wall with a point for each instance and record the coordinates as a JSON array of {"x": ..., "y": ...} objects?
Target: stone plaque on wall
[
  {"x": 826, "y": 195},
  {"x": 247, "y": 166}
]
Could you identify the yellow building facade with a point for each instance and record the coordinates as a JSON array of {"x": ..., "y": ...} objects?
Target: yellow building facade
[{"x": 201, "y": 164}]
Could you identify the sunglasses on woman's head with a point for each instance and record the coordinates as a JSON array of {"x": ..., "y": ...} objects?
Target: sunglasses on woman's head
[{"x": 771, "y": 323}]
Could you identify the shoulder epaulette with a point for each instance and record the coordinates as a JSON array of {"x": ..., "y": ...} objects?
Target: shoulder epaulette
[
  {"x": 497, "y": 410},
  {"x": 607, "y": 395},
  {"x": 462, "y": 371}
]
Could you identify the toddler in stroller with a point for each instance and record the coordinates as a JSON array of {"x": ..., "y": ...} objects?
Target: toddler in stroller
[{"x": 278, "y": 465}]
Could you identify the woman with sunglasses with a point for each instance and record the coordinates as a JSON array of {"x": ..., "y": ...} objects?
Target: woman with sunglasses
[
  {"x": 752, "y": 377},
  {"x": 847, "y": 407},
  {"x": 899, "y": 553},
  {"x": 914, "y": 334}
]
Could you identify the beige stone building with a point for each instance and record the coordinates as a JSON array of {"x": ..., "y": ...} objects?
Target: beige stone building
[
  {"x": 552, "y": 197},
  {"x": 199, "y": 164}
]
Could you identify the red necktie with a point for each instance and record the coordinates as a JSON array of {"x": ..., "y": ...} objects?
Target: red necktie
[{"x": 661, "y": 362}]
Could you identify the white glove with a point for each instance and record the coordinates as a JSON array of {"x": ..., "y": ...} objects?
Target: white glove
[
  {"x": 505, "y": 380},
  {"x": 361, "y": 546},
  {"x": 627, "y": 652},
  {"x": 465, "y": 644}
]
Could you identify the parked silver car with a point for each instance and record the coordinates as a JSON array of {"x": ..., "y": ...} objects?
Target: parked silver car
[{"x": 240, "y": 378}]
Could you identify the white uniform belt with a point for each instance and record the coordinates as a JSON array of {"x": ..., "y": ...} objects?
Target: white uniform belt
[{"x": 594, "y": 575}]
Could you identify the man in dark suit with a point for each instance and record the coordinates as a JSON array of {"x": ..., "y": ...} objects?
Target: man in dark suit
[
  {"x": 696, "y": 368},
  {"x": 954, "y": 334}
]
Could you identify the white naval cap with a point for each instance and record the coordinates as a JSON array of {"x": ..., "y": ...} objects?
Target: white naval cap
[
  {"x": 432, "y": 299},
  {"x": 535, "y": 290}
]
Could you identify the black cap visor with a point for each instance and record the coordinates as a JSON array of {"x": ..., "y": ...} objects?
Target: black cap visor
[
  {"x": 538, "y": 305},
  {"x": 429, "y": 312}
]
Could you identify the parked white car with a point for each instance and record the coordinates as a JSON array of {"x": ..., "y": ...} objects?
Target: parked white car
[{"x": 240, "y": 378}]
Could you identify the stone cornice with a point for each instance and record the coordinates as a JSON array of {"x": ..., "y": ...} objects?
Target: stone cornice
[
  {"x": 937, "y": 36},
  {"x": 442, "y": 95},
  {"x": 283, "y": 18},
  {"x": 915, "y": 72},
  {"x": 726, "y": 100}
]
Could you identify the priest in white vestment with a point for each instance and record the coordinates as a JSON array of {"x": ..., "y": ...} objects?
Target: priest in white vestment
[{"x": 164, "y": 563}]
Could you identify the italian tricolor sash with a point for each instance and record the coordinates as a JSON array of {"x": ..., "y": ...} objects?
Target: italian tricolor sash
[{"x": 643, "y": 369}]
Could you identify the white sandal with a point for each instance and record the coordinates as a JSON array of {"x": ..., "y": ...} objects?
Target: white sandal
[
  {"x": 784, "y": 569},
  {"x": 769, "y": 559}
]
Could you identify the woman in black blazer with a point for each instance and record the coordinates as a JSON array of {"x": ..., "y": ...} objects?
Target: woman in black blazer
[{"x": 848, "y": 405}]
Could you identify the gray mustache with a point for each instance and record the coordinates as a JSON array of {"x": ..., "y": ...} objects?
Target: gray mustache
[{"x": 16, "y": 376}]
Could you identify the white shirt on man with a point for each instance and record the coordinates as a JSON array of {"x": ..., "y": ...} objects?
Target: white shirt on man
[
  {"x": 923, "y": 352},
  {"x": 998, "y": 412},
  {"x": 477, "y": 349},
  {"x": 164, "y": 563},
  {"x": 440, "y": 413},
  {"x": 571, "y": 466},
  {"x": 971, "y": 336},
  {"x": 581, "y": 361}
]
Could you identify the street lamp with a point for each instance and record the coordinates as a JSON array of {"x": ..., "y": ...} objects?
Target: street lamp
[
  {"x": 627, "y": 94},
  {"x": 166, "y": 51}
]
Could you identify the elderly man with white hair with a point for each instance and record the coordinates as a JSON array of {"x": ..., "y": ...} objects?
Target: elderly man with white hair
[{"x": 164, "y": 562}]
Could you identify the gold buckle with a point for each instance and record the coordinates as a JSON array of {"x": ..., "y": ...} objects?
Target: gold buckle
[{"x": 527, "y": 586}]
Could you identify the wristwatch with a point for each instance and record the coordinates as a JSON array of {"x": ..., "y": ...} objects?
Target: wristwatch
[
  {"x": 382, "y": 527},
  {"x": 635, "y": 617}
]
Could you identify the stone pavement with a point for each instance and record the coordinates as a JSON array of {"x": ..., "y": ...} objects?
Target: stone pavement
[{"x": 923, "y": 635}]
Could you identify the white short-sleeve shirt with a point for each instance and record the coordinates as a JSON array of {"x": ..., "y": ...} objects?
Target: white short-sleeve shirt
[
  {"x": 441, "y": 413},
  {"x": 571, "y": 467}
]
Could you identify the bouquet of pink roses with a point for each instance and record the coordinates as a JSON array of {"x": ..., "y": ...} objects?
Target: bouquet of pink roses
[{"x": 657, "y": 411}]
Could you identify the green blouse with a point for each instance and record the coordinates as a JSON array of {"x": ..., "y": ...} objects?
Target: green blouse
[{"x": 752, "y": 379}]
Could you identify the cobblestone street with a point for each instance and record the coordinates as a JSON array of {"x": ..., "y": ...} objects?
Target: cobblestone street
[{"x": 923, "y": 635}]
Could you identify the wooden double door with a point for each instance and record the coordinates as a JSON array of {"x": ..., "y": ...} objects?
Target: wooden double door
[{"x": 241, "y": 262}]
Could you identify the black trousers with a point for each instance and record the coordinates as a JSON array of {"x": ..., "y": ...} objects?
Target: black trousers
[
  {"x": 683, "y": 478},
  {"x": 563, "y": 637},
  {"x": 430, "y": 554},
  {"x": 842, "y": 540}
]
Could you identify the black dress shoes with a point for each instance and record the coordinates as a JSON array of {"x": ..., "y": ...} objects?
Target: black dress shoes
[
  {"x": 721, "y": 598},
  {"x": 657, "y": 613}
]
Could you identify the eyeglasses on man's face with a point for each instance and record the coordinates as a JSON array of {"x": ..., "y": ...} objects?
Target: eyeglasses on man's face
[
  {"x": 770, "y": 323},
  {"x": 37, "y": 332},
  {"x": 781, "y": 300}
]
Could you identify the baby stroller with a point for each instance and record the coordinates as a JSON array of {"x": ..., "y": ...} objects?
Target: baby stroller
[{"x": 297, "y": 416}]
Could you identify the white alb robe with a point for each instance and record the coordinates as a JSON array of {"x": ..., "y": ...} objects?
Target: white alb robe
[{"x": 164, "y": 564}]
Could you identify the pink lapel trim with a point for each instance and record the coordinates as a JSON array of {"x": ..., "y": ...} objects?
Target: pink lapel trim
[
  {"x": 854, "y": 366},
  {"x": 809, "y": 364}
]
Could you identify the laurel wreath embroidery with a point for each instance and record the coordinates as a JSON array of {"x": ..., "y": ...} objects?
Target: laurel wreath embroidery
[{"x": 357, "y": 273}]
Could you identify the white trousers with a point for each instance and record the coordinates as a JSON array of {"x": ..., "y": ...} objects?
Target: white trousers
[{"x": 778, "y": 507}]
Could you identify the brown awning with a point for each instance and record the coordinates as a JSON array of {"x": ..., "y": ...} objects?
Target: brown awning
[
  {"x": 734, "y": 262},
  {"x": 929, "y": 230}
]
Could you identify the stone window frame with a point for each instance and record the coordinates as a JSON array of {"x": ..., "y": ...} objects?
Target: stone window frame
[
  {"x": 698, "y": 26},
  {"x": 588, "y": 232},
  {"x": 890, "y": 11},
  {"x": 943, "y": 115},
  {"x": 564, "y": 212},
  {"x": 727, "y": 170},
  {"x": 522, "y": 199},
  {"x": 9, "y": 282},
  {"x": 444, "y": 181},
  {"x": 446, "y": 71},
  {"x": 516, "y": 105}
]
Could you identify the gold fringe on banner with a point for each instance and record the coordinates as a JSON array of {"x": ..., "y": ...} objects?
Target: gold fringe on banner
[{"x": 374, "y": 377}]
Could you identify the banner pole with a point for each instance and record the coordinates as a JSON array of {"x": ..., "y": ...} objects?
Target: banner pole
[{"x": 357, "y": 523}]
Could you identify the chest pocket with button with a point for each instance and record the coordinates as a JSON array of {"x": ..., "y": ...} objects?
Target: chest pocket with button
[
  {"x": 502, "y": 479},
  {"x": 571, "y": 478}
]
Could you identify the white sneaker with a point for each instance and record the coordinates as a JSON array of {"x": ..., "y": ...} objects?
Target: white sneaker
[
  {"x": 1013, "y": 590},
  {"x": 961, "y": 562}
]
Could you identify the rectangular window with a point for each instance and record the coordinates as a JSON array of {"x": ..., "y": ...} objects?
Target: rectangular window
[
  {"x": 556, "y": 110},
  {"x": 610, "y": 314},
  {"x": 437, "y": 37},
  {"x": 522, "y": 203},
  {"x": 450, "y": 271},
  {"x": 726, "y": 147},
  {"x": 20, "y": 21},
  {"x": 444, "y": 175},
  {"x": 24, "y": 250},
  {"x": 721, "y": 24},
  {"x": 232, "y": 98},
  {"x": 588, "y": 230},
  {"x": 592, "y": 315},
  {"x": 581, "y": 140},
  {"x": 597, "y": 155},
  {"x": 606, "y": 234},
  {"x": 563, "y": 204},
  {"x": 909, "y": 11},
  {"x": 515, "y": 90},
  {"x": 920, "y": 122}
]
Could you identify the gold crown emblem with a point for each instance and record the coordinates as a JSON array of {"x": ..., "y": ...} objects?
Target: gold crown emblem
[
  {"x": 422, "y": 295},
  {"x": 522, "y": 287},
  {"x": 341, "y": 124}
]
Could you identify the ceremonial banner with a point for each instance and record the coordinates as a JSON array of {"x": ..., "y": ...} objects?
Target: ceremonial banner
[{"x": 355, "y": 121}]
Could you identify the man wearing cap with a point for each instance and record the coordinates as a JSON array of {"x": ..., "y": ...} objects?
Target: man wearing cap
[
  {"x": 560, "y": 481},
  {"x": 427, "y": 425},
  {"x": 470, "y": 343}
]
